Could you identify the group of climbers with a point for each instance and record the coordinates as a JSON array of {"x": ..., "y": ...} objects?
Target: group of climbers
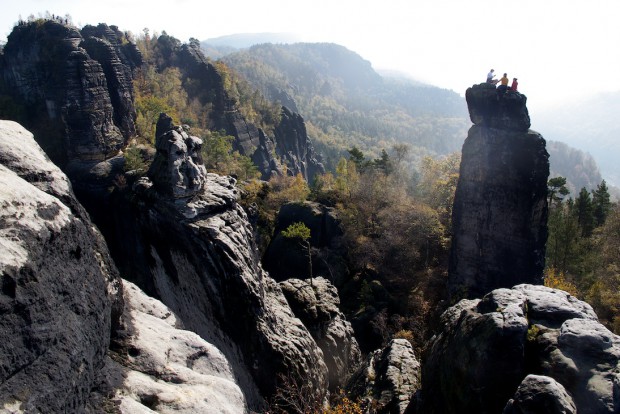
[{"x": 503, "y": 82}]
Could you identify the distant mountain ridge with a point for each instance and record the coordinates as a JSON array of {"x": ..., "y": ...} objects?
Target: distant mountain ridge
[{"x": 346, "y": 103}]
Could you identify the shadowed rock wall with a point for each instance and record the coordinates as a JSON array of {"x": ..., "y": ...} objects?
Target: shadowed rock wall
[{"x": 499, "y": 221}]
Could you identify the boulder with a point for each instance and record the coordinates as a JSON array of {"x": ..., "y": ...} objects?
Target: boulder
[
  {"x": 60, "y": 293},
  {"x": 158, "y": 366},
  {"x": 490, "y": 108},
  {"x": 540, "y": 394},
  {"x": 316, "y": 304},
  {"x": 499, "y": 218},
  {"x": 388, "y": 378},
  {"x": 486, "y": 347}
]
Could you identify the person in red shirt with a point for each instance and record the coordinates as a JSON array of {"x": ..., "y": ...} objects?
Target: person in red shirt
[{"x": 514, "y": 85}]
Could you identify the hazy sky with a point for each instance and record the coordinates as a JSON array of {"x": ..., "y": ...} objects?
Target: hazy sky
[{"x": 559, "y": 49}]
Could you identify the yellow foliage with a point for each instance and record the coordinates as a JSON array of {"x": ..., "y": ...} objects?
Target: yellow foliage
[
  {"x": 557, "y": 280},
  {"x": 344, "y": 405}
]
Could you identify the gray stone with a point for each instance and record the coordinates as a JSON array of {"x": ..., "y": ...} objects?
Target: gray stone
[
  {"x": 163, "y": 368},
  {"x": 388, "y": 378},
  {"x": 489, "y": 108},
  {"x": 486, "y": 347},
  {"x": 177, "y": 170},
  {"x": 540, "y": 394},
  {"x": 316, "y": 304},
  {"x": 60, "y": 289},
  {"x": 197, "y": 255},
  {"x": 499, "y": 220}
]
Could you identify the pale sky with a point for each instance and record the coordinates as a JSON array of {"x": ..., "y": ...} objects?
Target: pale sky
[{"x": 559, "y": 49}]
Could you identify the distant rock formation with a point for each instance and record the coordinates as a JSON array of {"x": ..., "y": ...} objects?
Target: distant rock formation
[
  {"x": 76, "y": 87},
  {"x": 316, "y": 304},
  {"x": 499, "y": 221},
  {"x": 61, "y": 292},
  {"x": 388, "y": 378},
  {"x": 294, "y": 147},
  {"x": 481, "y": 359}
]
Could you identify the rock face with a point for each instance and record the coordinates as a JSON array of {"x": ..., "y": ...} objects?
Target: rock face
[
  {"x": 60, "y": 293},
  {"x": 197, "y": 255},
  {"x": 294, "y": 147},
  {"x": 284, "y": 259},
  {"x": 77, "y": 89},
  {"x": 540, "y": 394},
  {"x": 499, "y": 217},
  {"x": 491, "y": 109},
  {"x": 159, "y": 366},
  {"x": 488, "y": 346},
  {"x": 388, "y": 378},
  {"x": 177, "y": 169},
  {"x": 316, "y": 304}
]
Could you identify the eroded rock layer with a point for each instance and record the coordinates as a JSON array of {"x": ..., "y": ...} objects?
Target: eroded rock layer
[{"x": 60, "y": 293}]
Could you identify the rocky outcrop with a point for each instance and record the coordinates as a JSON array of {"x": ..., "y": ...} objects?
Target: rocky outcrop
[
  {"x": 284, "y": 259},
  {"x": 197, "y": 255},
  {"x": 540, "y": 394},
  {"x": 486, "y": 348},
  {"x": 492, "y": 109},
  {"x": 388, "y": 378},
  {"x": 60, "y": 293},
  {"x": 293, "y": 146},
  {"x": 81, "y": 103},
  {"x": 117, "y": 57},
  {"x": 499, "y": 221},
  {"x": 156, "y": 366},
  {"x": 177, "y": 170},
  {"x": 316, "y": 304}
]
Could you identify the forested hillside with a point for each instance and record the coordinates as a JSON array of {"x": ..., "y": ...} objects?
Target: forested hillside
[{"x": 346, "y": 103}]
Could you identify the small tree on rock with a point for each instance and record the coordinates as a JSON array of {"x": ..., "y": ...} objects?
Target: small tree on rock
[{"x": 300, "y": 232}]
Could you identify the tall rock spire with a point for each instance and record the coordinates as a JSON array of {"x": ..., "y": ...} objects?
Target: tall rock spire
[{"x": 499, "y": 222}]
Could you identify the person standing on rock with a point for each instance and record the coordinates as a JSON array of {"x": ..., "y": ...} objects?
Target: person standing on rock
[
  {"x": 490, "y": 77},
  {"x": 514, "y": 85},
  {"x": 503, "y": 87}
]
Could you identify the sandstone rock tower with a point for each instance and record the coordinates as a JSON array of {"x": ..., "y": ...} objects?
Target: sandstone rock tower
[{"x": 499, "y": 220}]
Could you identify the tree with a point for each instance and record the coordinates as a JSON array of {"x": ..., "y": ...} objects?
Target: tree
[
  {"x": 383, "y": 163},
  {"x": 563, "y": 240},
  {"x": 601, "y": 204},
  {"x": 357, "y": 157},
  {"x": 300, "y": 232},
  {"x": 584, "y": 212},
  {"x": 556, "y": 190}
]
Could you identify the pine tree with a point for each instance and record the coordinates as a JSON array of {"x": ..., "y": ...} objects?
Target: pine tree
[
  {"x": 601, "y": 204},
  {"x": 584, "y": 211},
  {"x": 556, "y": 189}
]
